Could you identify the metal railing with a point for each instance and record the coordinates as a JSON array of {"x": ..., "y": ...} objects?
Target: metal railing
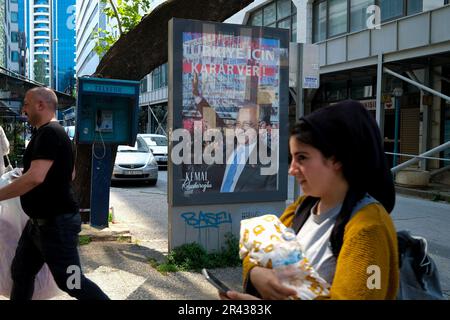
[{"x": 424, "y": 155}]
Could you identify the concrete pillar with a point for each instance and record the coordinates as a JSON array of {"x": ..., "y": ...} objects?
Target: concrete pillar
[
  {"x": 304, "y": 20},
  {"x": 435, "y": 119}
]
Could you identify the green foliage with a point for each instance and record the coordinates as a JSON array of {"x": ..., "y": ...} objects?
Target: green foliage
[
  {"x": 39, "y": 71},
  {"x": 84, "y": 240},
  {"x": 193, "y": 257},
  {"x": 15, "y": 134},
  {"x": 127, "y": 13}
]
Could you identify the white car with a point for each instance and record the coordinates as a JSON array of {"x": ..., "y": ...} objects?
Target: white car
[
  {"x": 70, "y": 130},
  {"x": 158, "y": 145},
  {"x": 135, "y": 163}
]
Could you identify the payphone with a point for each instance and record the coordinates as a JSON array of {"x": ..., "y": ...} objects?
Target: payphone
[
  {"x": 107, "y": 111},
  {"x": 107, "y": 114}
]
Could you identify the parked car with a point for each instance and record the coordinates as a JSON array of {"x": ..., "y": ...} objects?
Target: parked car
[
  {"x": 135, "y": 163},
  {"x": 158, "y": 145},
  {"x": 70, "y": 130}
]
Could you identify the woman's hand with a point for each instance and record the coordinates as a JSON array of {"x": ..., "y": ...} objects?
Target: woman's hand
[{"x": 269, "y": 287}]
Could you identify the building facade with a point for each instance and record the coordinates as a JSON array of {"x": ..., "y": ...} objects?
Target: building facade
[
  {"x": 368, "y": 51},
  {"x": 39, "y": 38},
  {"x": 9, "y": 35},
  {"x": 50, "y": 37},
  {"x": 381, "y": 53},
  {"x": 89, "y": 18},
  {"x": 63, "y": 36}
]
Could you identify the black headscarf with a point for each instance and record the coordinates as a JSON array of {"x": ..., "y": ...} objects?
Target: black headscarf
[{"x": 352, "y": 135}]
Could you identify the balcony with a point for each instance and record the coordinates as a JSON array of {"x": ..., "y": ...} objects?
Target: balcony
[
  {"x": 153, "y": 97},
  {"x": 421, "y": 34}
]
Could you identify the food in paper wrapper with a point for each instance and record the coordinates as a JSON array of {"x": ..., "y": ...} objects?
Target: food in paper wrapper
[{"x": 269, "y": 243}]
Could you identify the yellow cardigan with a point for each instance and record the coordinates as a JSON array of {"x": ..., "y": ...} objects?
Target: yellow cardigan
[{"x": 369, "y": 239}]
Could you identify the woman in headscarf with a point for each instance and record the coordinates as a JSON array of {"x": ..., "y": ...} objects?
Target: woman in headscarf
[{"x": 342, "y": 219}]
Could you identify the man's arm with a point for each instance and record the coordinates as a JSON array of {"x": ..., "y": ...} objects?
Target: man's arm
[{"x": 31, "y": 179}]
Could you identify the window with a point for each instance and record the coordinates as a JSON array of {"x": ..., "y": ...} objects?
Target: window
[
  {"x": 159, "y": 77},
  {"x": 41, "y": 34},
  {"x": 280, "y": 14},
  {"x": 270, "y": 15},
  {"x": 294, "y": 28},
  {"x": 391, "y": 9},
  {"x": 14, "y": 36},
  {"x": 283, "y": 8},
  {"x": 320, "y": 21},
  {"x": 337, "y": 17},
  {"x": 256, "y": 19},
  {"x": 414, "y": 6},
  {"x": 358, "y": 14},
  {"x": 336, "y": 91},
  {"x": 362, "y": 88},
  {"x": 14, "y": 56},
  {"x": 144, "y": 85},
  {"x": 14, "y": 16}
]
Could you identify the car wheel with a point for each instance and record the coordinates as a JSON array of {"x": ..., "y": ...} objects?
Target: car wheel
[{"x": 152, "y": 182}]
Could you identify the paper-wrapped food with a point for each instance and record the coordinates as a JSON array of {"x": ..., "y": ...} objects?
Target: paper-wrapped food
[{"x": 269, "y": 243}]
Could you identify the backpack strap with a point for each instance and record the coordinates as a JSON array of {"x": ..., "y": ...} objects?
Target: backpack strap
[{"x": 303, "y": 212}]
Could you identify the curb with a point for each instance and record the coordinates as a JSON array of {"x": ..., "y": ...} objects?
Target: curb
[
  {"x": 424, "y": 194},
  {"x": 114, "y": 232}
]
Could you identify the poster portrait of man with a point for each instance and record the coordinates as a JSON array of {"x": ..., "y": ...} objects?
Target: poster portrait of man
[{"x": 229, "y": 96}]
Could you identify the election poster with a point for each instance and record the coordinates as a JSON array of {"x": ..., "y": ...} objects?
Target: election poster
[{"x": 228, "y": 106}]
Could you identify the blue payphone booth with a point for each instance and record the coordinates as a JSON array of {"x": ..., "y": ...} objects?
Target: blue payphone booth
[{"x": 107, "y": 114}]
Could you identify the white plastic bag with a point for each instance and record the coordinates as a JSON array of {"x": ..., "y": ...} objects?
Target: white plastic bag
[{"x": 12, "y": 222}]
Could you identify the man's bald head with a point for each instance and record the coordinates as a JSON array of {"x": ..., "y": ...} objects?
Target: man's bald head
[{"x": 46, "y": 95}]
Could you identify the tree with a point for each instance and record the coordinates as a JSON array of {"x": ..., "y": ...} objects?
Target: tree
[
  {"x": 127, "y": 14},
  {"x": 140, "y": 50},
  {"x": 39, "y": 71}
]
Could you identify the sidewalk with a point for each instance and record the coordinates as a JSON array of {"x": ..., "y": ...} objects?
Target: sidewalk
[{"x": 121, "y": 267}]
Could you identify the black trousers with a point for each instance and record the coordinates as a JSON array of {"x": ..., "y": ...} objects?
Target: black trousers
[{"x": 55, "y": 243}]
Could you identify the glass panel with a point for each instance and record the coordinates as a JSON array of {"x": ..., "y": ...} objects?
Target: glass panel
[
  {"x": 336, "y": 91},
  {"x": 14, "y": 16},
  {"x": 414, "y": 6},
  {"x": 294, "y": 29},
  {"x": 391, "y": 9},
  {"x": 320, "y": 21},
  {"x": 256, "y": 19},
  {"x": 284, "y": 8},
  {"x": 270, "y": 14},
  {"x": 362, "y": 88},
  {"x": 284, "y": 24},
  {"x": 358, "y": 14},
  {"x": 337, "y": 23},
  {"x": 14, "y": 36}
]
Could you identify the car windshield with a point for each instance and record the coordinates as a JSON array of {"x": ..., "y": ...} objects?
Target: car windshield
[
  {"x": 70, "y": 131},
  {"x": 139, "y": 146},
  {"x": 156, "y": 141}
]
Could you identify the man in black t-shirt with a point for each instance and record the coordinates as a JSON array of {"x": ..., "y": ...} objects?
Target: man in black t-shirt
[{"x": 46, "y": 195}]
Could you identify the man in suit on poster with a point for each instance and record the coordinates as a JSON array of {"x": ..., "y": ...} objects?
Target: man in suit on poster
[{"x": 241, "y": 171}]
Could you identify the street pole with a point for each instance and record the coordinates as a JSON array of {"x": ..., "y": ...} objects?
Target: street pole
[
  {"x": 300, "y": 107},
  {"x": 397, "y": 93}
]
